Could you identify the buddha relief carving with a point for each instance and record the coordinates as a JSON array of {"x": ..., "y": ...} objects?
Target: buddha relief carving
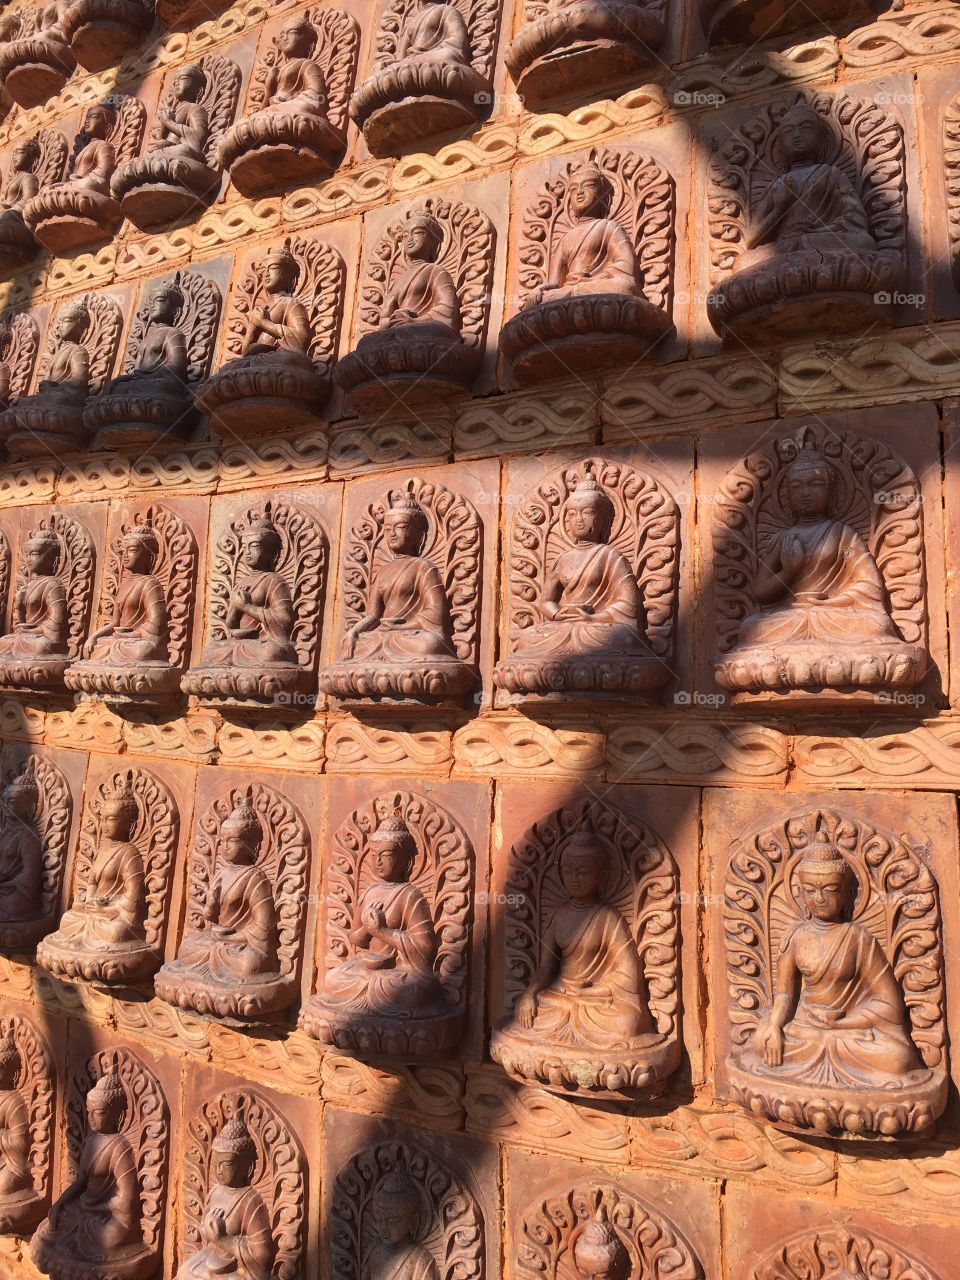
[
  {"x": 295, "y": 127},
  {"x": 168, "y": 355},
  {"x": 405, "y": 633},
  {"x": 27, "y": 1090},
  {"x": 100, "y": 32},
  {"x": 35, "y": 164},
  {"x": 807, "y": 207},
  {"x": 19, "y": 343},
  {"x": 425, "y": 310},
  {"x": 432, "y": 72},
  {"x": 179, "y": 176},
  {"x": 283, "y": 328},
  {"x": 35, "y": 59},
  {"x": 35, "y": 812},
  {"x": 239, "y": 955},
  {"x": 573, "y": 46},
  {"x": 592, "y": 956},
  {"x": 114, "y": 930},
  {"x": 808, "y": 603},
  {"x": 404, "y": 1213},
  {"x": 593, "y": 584},
  {"x": 267, "y": 589},
  {"x": 597, "y": 264},
  {"x": 108, "y": 1222},
  {"x": 836, "y": 1253},
  {"x": 601, "y": 1232},
  {"x": 245, "y": 1180},
  {"x": 51, "y": 605},
  {"x": 397, "y": 940},
  {"x": 138, "y": 652},
  {"x": 824, "y": 914},
  {"x": 80, "y": 351},
  {"x": 65, "y": 216}
]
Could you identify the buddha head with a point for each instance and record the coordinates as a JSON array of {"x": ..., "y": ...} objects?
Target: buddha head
[
  {"x": 190, "y": 83},
  {"x": 120, "y": 812},
  {"x": 583, "y": 867},
  {"x": 422, "y": 237},
  {"x": 107, "y": 1104},
  {"x": 589, "y": 192},
  {"x": 396, "y": 1208},
  {"x": 809, "y": 485},
  {"x": 234, "y": 1153},
  {"x": 21, "y": 796},
  {"x": 588, "y": 513},
  {"x": 405, "y": 527},
  {"x": 11, "y": 1064},
  {"x": 100, "y": 121},
  {"x": 298, "y": 39},
  {"x": 241, "y": 834},
  {"x": 166, "y": 303},
  {"x": 393, "y": 848},
  {"x": 26, "y": 156},
  {"x": 599, "y": 1253},
  {"x": 261, "y": 542},
  {"x": 73, "y": 322},
  {"x": 140, "y": 549},
  {"x": 803, "y": 133},
  {"x": 41, "y": 553},
  {"x": 281, "y": 270},
  {"x": 826, "y": 884}
]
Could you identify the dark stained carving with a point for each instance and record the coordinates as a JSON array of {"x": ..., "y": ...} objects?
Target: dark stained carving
[
  {"x": 245, "y": 1181},
  {"x": 283, "y": 328},
  {"x": 35, "y": 164},
  {"x": 266, "y": 592},
  {"x": 593, "y": 955},
  {"x": 593, "y": 584},
  {"x": 807, "y": 208},
  {"x": 239, "y": 956},
  {"x": 179, "y": 176},
  {"x": 142, "y": 645},
  {"x": 80, "y": 352},
  {"x": 432, "y": 72},
  {"x": 568, "y": 47},
  {"x": 397, "y": 941},
  {"x": 425, "y": 310},
  {"x": 108, "y": 1223},
  {"x": 35, "y": 812},
  {"x": 748, "y": 21},
  {"x": 400, "y": 1211},
  {"x": 809, "y": 599},
  {"x": 295, "y": 127},
  {"x": 64, "y": 216},
  {"x": 19, "y": 343},
  {"x": 836, "y": 1252},
  {"x": 51, "y": 607},
  {"x": 100, "y": 32},
  {"x": 114, "y": 930},
  {"x": 35, "y": 59},
  {"x": 27, "y": 1118},
  {"x": 168, "y": 354},
  {"x": 597, "y": 265},
  {"x": 411, "y": 598}
]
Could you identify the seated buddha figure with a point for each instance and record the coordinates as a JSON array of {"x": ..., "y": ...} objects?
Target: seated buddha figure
[
  {"x": 16, "y": 1181},
  {"x": 35, "y": 59},
  {"x": 235, "y": 945},
  {"x": 823, "y": 619},
  {"x": 53, "y": 416},
  {"x": 97, "y": 1219},
  {"x": 17, "y": 242},
  {"x": 591, "y": 636},
  {"x": 599, "y": 1253},
  {"x": 422, "y": 302},
  {"x": 102, "y": 938},
  {"x": 6, "y": 372},
  {"x": 21, "y": 851},
  {"x": 390, "y": 974},
  {"x": 38, "y": 638},
  {"x": 404, "y": 641},
  {"x": 235, "y": 1237},
  {"x": 396, "y": 1253},
  {"x": 79, "y": 210}
]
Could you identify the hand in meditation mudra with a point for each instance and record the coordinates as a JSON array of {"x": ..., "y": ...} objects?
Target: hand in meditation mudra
[
  {"x": 162, "y": 369},
  {"x": 138, "y": 633},
  {"x": 396, "y": 1254},
  {"x": 97, "y": 158},
  {"x": 422, "y": 302},
  {"x": 21, "y": 851},
  {"x": 823, "y": 619},
  {"x": 39, "y": 605},
  {"x": 235, "y": 1235}
]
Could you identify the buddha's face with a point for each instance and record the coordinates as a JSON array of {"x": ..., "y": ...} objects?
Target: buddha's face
[
  {"x": 823, "y": 892},
  {"x": 808, "y": 491},
  {"x": 419, "y": 244},
  {"x": 403, "y": 532},
  {"x": 391, "y": 860},
  {"x": 586, "y": 518},
  {"x": 23, "y": 157},
  {"x": 136, "y": 556},
  {"x": 231, "y": 1169},
  {"x": 581, "y": 870},
  {"x": 295, "y": 41},
  {"x": 236, "y": 845},
  {"x": 800, "y": 135},
  {"x": 396, "y": 1219},
  {"x": 279, "y": 278},
  {"x": 70, "y": 328},
  {"x": 117, "y": 821},
  {"x": 102, "y": 1117},
  {"x": 164, "y": 306},
  {"x": 41, "y": 557},
  {"x": 587, "y": 195},
  {"x": 97, "y": 123},
  {"x": 18, "y": 802},
  {"x": 188, "y": 86},
  {"x": 605, "y": 1266},
  {"x": 259, "y": 552}
]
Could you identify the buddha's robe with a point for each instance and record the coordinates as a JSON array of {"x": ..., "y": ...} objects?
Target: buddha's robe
[
  {"x": 14, "y": 1143},
  {"x": 253, "y": 643},
  {"x": 113, "y": 911},
  {"x": 21, "y": 871},
  {"x": 415, "y": 621},
  {"x": 821, "y": 213},
  {"x": 291, "y": 315},
  {"x": 106, "y": 1214},
  {"x": 849, "y": 979},
  {"x": 836, "y": 598},
  {"x": 245, "y": 1251},
  {"x": 93, "y": 168},
  {"x": 196, "y": 130},
  {"x": 435, "y": 34},
  {"x": 395, "y": 976},
  {"x": 41, "y": 629},
  {"x": 68, "y": 381},
  {"x": 240, "y": 938},
  {"x": 595, "y": 256},
  {"x": 598, "y": 999},
  {"x": 424, "y": 301},
  {"x": 597, "y": 577},
  {"x": 300, "y": 89},
  {"x": 140, "y": 634},
  {"x": 406, "y": 1261},
  {"x": 162, "y": 370}
]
